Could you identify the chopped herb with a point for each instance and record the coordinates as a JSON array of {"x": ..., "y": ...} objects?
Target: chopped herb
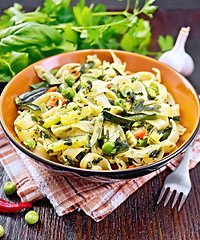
[
  {"x": 117, "y": 72},
  {"x": 68, "y": 142},
  {"x": 89, "y": 165},
  {"x": 177, "y": 119},
  {"x": 96, "y": 161},
  {"x": 152, "y": 154},
  {"x": 138, "y": 106},
  {"x": 88, "y": 87},
  {"x": 68, "y": 161},
  {"x": 133, "y": 79},
  {"x": 86, "y": 65},
  {"x": 45, "y": 135},
  {"x": 34, "y": 118},
  {"x": 142, "y": 142},
  {"x": 121, "y": 146},
  {"x": 154, "y": 108},
  {"x": 78, "y": 88}
]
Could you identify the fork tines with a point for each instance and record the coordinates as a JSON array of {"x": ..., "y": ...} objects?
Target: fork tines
[{"x": 183, "y": 198}]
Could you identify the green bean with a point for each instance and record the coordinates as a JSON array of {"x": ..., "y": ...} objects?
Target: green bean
[
  {"x": 29, "y": 143},
  {"x": 142, "y": 117},
  {"x": 152, "y": 91},
  {"x": 165, "y": 135},
  {"x": 39, "y": 85}
]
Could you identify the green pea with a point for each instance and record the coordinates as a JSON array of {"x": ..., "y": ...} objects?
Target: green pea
[
  {"x": 9, "y": 188},
  {"x": 29, "y": 143},
  {"x": 108, "y": 147},
  {"x": 68, "y": 93},
  {"x": 31, "y": 217},
  {"x": 70, "y": 80},
  {"x": 1, "y": 231},
  {"x": 120, "y": 102}
]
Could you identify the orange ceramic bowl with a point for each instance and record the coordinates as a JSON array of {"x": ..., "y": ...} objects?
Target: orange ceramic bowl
[{"x": 182, "y": 91}]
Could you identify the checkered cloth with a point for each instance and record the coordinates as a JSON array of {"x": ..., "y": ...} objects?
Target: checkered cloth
[{"x": 67, "y": 191}]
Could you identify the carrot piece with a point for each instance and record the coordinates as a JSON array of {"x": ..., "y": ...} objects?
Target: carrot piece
[
  {"x": 132, "y": 166},
  {"x": 141, "y": 134},
  {"x": 107, "y": 80},
  {"x": 108, "y": 85},
  {"x": 52, "y": 89},
  {"x": 129, "y": 73},
  {"x": 75, "y": 73},
  {"x": 53, "y": 102}
]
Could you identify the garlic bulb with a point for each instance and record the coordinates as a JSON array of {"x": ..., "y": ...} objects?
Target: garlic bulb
[{"x": 177, "y": 58}]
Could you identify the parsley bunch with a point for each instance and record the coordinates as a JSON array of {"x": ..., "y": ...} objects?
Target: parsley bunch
[{"x": 59, "y": 27}]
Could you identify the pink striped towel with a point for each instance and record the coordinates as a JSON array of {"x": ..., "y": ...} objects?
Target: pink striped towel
[{"x": 68, "y": 192}]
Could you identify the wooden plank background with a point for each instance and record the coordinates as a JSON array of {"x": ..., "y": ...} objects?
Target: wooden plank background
[
  {"x": 111, "y": 4},
  {"x": 139, "y": 217}
]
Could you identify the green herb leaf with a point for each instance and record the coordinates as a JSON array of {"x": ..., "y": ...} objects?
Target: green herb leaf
[
  {"x": 58, "y": 27},
  {"x": 31, "y": 17},
  {"x": 18, "y": 61},
  {"x": 5, "y": 71},
  {"x": 8, "y": 14},
  {"x": 83, "y": 16},
  {"x": 70, "y": 34},
  {"x": 166, "y": 43},
  {"x": 28, "y": 34},
  {"x": 148, "y": 9}
]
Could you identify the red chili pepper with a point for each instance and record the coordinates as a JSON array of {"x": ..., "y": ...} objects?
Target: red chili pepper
[
  {"x": 53, "y": 102},
  {"x": 52, "y": 89},
  {"x": 141, "y": 134},
  {"x": 13, "y": 207},
  {"x": 75, "y": 73}
]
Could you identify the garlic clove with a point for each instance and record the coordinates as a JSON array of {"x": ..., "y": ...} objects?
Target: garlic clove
[{"x": 177, "y": 58}]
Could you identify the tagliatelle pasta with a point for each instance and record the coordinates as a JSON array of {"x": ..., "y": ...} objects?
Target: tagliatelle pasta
[{"x": 98, "y": 116}]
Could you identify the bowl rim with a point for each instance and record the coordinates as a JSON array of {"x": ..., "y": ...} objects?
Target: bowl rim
[{"x": 60, "y": 166}]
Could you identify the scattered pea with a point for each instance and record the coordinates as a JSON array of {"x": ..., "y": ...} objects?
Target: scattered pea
[
  {"x": 108, "y": 147},
  {"x": 9, "y": 188},
  {"x": 1, "y": 231},
  {"x": 31, "y": 217},
  {"x": 70, "y": 80},
  {"x": 68, "y": 93}
]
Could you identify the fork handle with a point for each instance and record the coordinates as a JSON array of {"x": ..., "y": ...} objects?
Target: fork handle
[{"x": 186, "y": 159}]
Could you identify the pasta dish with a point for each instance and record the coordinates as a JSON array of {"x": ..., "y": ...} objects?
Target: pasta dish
[{"x": 99, "y": 116}]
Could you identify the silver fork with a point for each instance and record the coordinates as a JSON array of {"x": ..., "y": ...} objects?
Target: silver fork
[{"x": 178, "y": 180}]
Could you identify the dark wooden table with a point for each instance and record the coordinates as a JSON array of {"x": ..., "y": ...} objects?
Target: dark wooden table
[{"x": 139, "y": 217}]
